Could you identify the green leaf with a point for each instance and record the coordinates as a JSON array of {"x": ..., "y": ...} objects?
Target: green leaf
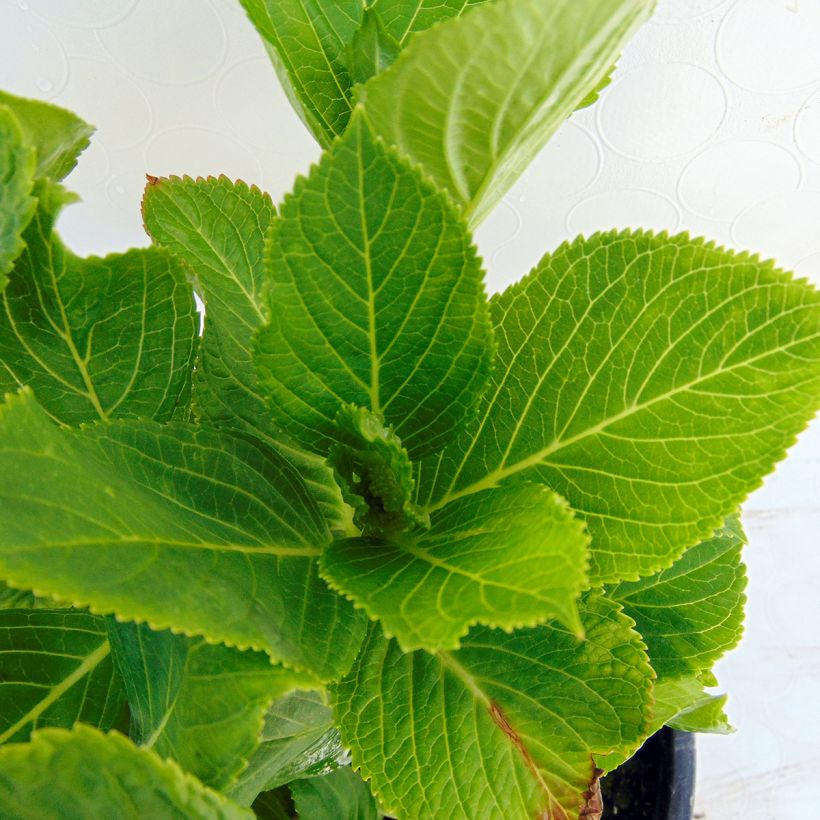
[
  {"x": 179, "y": 526},
  {"x": 404, "y": 18},
  {"x": 474, "y": 99},
  {"x": 371, "y": 49},
  {"x": 218, "y": 228},
  {"x": 16, "y": 181},
  {"x": 340, "y": 794},
  {"x": 57, "y": 136},
  {"x": 691, "y": 614},
  {"x": 96, "y": 338},
  {"x": 89, "y": 774},
  {"x": 298, "y": 739},
  {"x": 11, "y": 598},
  {"x": 374, "y": 472},
  {"x": 703, "y": 714},
  {"x": 201, "y": 704},
  {"x": 506, "y": 727},
  {"x": 56, "y": 670},
  {"x": 651, "y": 381},
  {"x": 274, "y": 805},
  {"x": 375, "y": 298},
  {"x": 307, "y": 42},
  {"x": 508, "y": 557}
]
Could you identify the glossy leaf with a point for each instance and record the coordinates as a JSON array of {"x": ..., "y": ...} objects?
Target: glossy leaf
[
  {"x": 218, "y": 228},
  {"x": 506, "y": 727},
  {"x": 371, "y": 49},
  {"x": 341, "y": 794},
  {"x": 298, "y": 739},
  {"x": 376, "y": 299},
  {"x": 99, "y": 775},
  {"x": 474, "y": 99},
  {"x": 56, "y": 670},
  {"x": 182, "y": 527},
  {"x": 509, "y": 557},
  {"x": 651, "y": 381},
  {"x": 201, "y": 704},
  {"x": 96, "y": 338}
]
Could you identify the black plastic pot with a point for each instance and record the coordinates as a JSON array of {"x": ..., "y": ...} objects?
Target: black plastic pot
[{"x": 658, "y": 783}]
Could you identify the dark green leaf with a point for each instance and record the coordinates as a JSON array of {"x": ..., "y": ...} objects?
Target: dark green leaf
[{"x": 56, "y": 670}]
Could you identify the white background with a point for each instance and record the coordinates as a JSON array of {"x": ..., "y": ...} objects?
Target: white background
[{"x": 712, "y": 125}]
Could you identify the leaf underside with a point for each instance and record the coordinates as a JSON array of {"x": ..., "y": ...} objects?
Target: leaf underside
[{"x": 473, "y": 100}]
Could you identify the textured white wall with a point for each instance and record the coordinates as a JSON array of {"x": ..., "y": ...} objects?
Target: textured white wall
[{"x": 712, "y": 125}]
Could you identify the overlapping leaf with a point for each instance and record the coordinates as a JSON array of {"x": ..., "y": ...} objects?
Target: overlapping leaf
[
  {"x": 218, "y": 228},
  {"x": 690, "y": 615},
  {"x": 201, "y": 704},
  {"x": 474, "y": 99},
  {"x": 341, "y": 793},
  {"x": 375, "y": 298},
  {"x": 508, "y": 557},
  {"x": 404, "y": 18},
  {"x": 17, "y": 160},
  {"x": 313, "y": 46},
  {"x": 298, "y": 739},
  {"x": 652, "y": 381},
  {"x": 57, "y": 136},
  {"x": 96, "y": 338},
  {"x": 175, "y": 525},
  {"x": 506, "y": 727},
  {"x": 97, "y": 775},
  {"x": 307, "y": 41},
  {"x": 56, "y": 670}
]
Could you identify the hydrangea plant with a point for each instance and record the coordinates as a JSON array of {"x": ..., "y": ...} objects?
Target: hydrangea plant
[{"x": 373, "y": 543}]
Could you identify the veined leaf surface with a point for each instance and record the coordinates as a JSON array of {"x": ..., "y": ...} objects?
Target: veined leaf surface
[
  {"x": 96, "y": 338},
  {"x": 508, "y": 557},
  {"x": 307, "y": 41},
  {"x": 298, "y": 739},
  {"x": 474, "y": 99},
  {"x": 691, "y": 614},
  {"x": 404, "y": 18},
  {"x": 201, "y": 704},
  {"x": 651, "y": 381},
  {"x": 505, "y": 728},
  {"x": 375, "y": 298},
  {"x": 57, "y": 136},
  {"x": 218, "y": 228},
  {"x": 56, "y": 670},
  {"x": 179, "y": 526},
  {"x": 101, "y": 776},
  {"x": 17, "y": 161}
]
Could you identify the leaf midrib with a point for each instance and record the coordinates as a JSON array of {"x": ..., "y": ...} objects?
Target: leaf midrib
[{"x": 494, "y": 477}]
